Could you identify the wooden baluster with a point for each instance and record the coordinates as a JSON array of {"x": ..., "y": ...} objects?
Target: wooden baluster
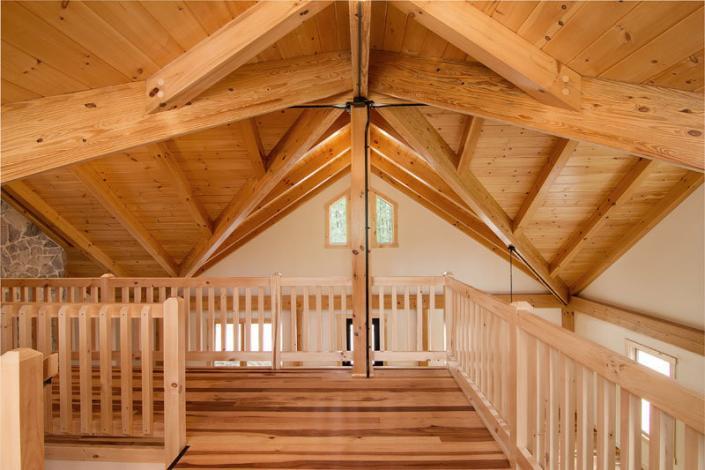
[
  {"x": 431, "y": 315},
  {"x": 305, "y": 322},
  {"x": 190, "y": 340},
  {"x": 692, "y": 453},
  {"x": 654, "y": 438},
  {"x": 668, "y": 435},
  {"x": 334, "y": 320},
  {"x": 419, "y": 319},
  {"x": 174, "y": 379},
  {"x": 126, "y": 369},
  {"x": 275, "y": 303},
  {"x": 223, "y": 319},
  {"x": 210, "y": 337},
  {"x": 330, "y": 316},
  {"x": 523, "y": 393},
  {"x": 569, "y": 411},
  {"x": 199, "y": 319},
  {"x": 395, "y": 321},
  {"x": 6, "y": 337},
  {"x": 44, "y": 345},
  {"x": 344, "y": 310},
  {"x": 65, "y": 385},
  {"x": 150, "y": 294},
  {"x": 382, "y": 329},
  {"x": 319, "y": 320},
  {"x": 408, "y": 317},
  {"x": 553, "y": 414},
  {"x": 635, "y": 426},
  {"x": 236, "y": 319},
  {"x": 543, "y": 404},
  {"x": 248, "y": 319},
  {"x": 624, "y": 447},
  {"x": 292, "y": 319},
  {"x": 531, "y": 376},
  {"x": 106, "y": 369},
  {"x": 611, "y": 416},
  {"x": 147, "y": 335},
  {"x": 84, "y": 368},
  {"x": 260, "y": 317}
]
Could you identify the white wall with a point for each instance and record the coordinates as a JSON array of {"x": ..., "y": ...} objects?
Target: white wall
[{"x": 428, "y": 245}]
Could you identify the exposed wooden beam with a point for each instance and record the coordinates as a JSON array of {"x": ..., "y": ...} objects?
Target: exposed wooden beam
[
  {"x": 26, "y": 196},
  {"x": 359, "y": 171},
  {"x": 618, "y": 196},
  {"x": 96, "y": 186},
  {"x": 253, "y": 143},
  {"x": 360, "y": 12},
  {"x": 688, "y": 183},
  {"x": 647, "y": 121},
  {"x": 470, "y": 138},
  {"x": 426, "y": 195},
  {"x": 224, "y": 51},
  {"x": 535, "y": 300},
  {"x": 500, "y": 49},
  {"x": 52, "y": 132},
  {"x": 426, "y": 141},
  {"x": 320, "y": 176},
  {"x": 560, "y": 154},
  {"x": 686, "y": 337},
  {"x": 291, "y": 149},
  {"x": 165, "y": 155}
]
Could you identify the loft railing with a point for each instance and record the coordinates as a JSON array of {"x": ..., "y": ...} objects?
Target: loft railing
[
  {"x": 271, "y": 321},
  {"x": 556, "y": 400}
]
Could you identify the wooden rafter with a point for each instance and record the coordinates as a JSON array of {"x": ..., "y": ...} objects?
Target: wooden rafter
[
  {"x": 560, "y": 154},
  {"x": 426, "y": 141},
  {"x": 471, "y": 136},
  {"x": 291, "y": 149},
  {"x": 274, "y": 207},
  {"x": 165, "y": 155},
  {"x": 456, "y": 215},
  {"x": 647, "y": 121},
  {"x": 689, "y": 183},
  {"x": 35, "y": 204},
  {"x": 360, "y": 12},
  {"x": 500, "y": 49},
  {"x": 224, "y": 51},
  {"x": 52, "y": 132},
  {"x": 112, "y": 203},
  {"x": 618, "y": 196},
  {"x": 688, "y": 338},
  {"x": 253, "y": 143}
]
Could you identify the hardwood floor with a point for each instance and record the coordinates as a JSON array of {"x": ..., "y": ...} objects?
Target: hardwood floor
[{"x": 325, "y": 419}]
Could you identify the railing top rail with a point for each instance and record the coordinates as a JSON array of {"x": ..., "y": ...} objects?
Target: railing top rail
[{"x": 663, "y": 392}]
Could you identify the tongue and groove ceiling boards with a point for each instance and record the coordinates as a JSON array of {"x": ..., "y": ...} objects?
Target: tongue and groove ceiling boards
[{"x": 154, "y": 138}]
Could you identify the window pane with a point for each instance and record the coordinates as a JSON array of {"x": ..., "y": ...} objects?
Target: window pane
[
  {"x": 385, "y": 221},
  {"x": 338, "y": 222},
  {"x": 659, "y": 365}
]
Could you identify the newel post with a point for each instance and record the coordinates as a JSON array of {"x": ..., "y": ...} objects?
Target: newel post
[
  {"x": 21, "y": 410},
  {"x": 276, "y": 295},
  {"x": 174, "y": 378},
  {"x": 448, "y": 315}
]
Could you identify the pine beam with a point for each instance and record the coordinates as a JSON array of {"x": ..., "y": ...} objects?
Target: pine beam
[
  {"x": 501, "y": 49},
  {"x": 253, "y": 143},
  {"x": 647, "y": 121},
  {"x": 560, "y": 154},
  {"x": 618, "y": 196},
  {"x": 688, "y": 183},
  {"x": 26, "y": 196},
  {"x": 360, "y": 12},
  {"x": 426, "y": 141},
  {"x": 359, "y": 169},
  {"x": 112, "y": 203},
  {"x": 310, "y": 125},
  {"x": 52, "y": 132},
  {"x": 471, "y": 136},
  {"x": 223, "y": 52},
  {"x": 165, "y": 156}
]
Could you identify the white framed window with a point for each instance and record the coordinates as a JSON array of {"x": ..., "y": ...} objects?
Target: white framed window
[
  {"x": 337, "y": 213},
  {"x": 384, "y": 221},
  {"x": 655, "y": 360}
]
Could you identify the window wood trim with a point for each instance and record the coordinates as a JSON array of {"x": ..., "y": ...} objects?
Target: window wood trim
[
  {"x": 373, "y": 220},
  {"x": 632, "y": 347},
  {"x": 326, "y": 216}
]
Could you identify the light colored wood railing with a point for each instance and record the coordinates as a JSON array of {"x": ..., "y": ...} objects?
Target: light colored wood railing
[
  {"x": 556, "y": 400},
  {"x": 101, "y": 347}
]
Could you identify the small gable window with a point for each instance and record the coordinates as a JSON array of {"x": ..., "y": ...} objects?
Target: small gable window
[
  {"x": 384, "y": 218},
  {"x": 338, "y": 221}
]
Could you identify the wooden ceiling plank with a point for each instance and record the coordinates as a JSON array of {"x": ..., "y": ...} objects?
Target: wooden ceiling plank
[
  {"x": 26, "y": 196},
  {"x": 51, "y": 132},
  {"x": 616, "y": 197},
  {"x": 223, "y": 52},
  {"x": 470, "y": 138},
  {"x": 309, "y": 126},
  {"x": 320, "y": 176},
  {"x": 652, "y": 122},
  {"x": 500, "y": 49},
  {"x": 360, "y": 13},
  {"x": 687, "y": 184},
  {"x": 112, "y": 203},
  {"x": 165, "y": 155},
  {"x": 560, "y": 155},
  {"x": 253, "y": 144},
  {"x": 685, "y": 337},
  {"x": 411, "y": 124}
]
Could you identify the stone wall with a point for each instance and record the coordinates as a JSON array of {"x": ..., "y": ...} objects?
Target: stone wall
[{"x": 25, "y": 251}]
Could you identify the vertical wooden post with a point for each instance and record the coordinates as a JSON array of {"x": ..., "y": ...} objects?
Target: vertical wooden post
[
  {"x": 276, "y": 307},
  {"x": 568, "y": 319},
  {"x": 447, "y": 307},
  {"x": 174, "y": 378},
  {"x": 107, "y": 293},
  {"x": 359, "y": 170},
  {"x": 21, "y": 410}
]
